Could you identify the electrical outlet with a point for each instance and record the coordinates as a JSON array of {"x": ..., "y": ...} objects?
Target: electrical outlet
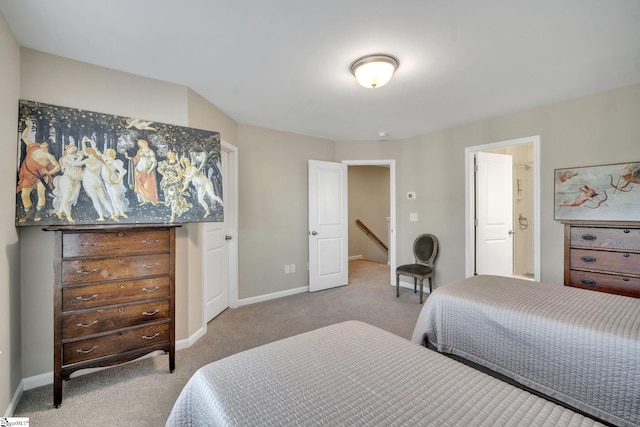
[
  {"x": 287, "y": 269},
  {"x": 293, "y": 268},
  {"x": 411, "y": 195}
]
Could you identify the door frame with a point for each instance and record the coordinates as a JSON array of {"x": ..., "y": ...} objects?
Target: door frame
[
  {"x": 470, "y": 196},
  {"x": 392, "y": 207},
  {"x": 231, "y": 214}
]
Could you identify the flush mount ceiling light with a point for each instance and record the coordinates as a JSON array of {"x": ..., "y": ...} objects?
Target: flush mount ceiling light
[{"x": 374, "y": 71}]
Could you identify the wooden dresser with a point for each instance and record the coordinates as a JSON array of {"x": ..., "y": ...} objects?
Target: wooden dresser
[
  {"x": 603, "y": 256},
  {"x": 114, "y": 297}
]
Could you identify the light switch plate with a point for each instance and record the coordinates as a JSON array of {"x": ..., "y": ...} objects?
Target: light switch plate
[{"x": 413, "y": 217}]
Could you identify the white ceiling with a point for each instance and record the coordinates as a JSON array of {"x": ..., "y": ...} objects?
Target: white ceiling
[{"x": 284, "y": 64}]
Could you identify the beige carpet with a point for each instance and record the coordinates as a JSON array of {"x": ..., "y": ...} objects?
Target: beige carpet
[{"x": 142, "y": 392}]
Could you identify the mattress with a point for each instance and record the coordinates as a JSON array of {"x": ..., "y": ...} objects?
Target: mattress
[
  {"x": 578, "y": 346},
  {"x": 355, "y": 374}
]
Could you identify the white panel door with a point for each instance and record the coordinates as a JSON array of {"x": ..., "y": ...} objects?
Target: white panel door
[
  {"x": 494, "y": 210},
  {"x": 328, "y": 229},
  {"x": 215, "y": 262}
]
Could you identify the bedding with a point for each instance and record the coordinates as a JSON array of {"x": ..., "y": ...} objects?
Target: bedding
[
  {"x": 352, "y": 373},
  {"x": 578, "y": 346}
]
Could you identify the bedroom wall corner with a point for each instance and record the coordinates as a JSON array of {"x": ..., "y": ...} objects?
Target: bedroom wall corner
[
  {"x": 60, "y": 81},
  {"x": 10, "y": 327},
  {"x": 272, "y": 208}
]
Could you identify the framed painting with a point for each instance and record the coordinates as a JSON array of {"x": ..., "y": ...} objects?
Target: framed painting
[
  {"x": 598, "y": 193},
  {"x": 79, "y": 167}
]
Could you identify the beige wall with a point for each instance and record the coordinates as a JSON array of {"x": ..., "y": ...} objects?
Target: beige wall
[
  {"x": 11, "y": 356},
  {"x": 593, "y": 130},
  {"x": 272, "y": 208},
  {"x": 368, "y": 202}
]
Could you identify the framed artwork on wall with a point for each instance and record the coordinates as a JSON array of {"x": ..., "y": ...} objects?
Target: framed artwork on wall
[
  {"x": 79, "y": 167},
  {"x": 598, "y": 193}
]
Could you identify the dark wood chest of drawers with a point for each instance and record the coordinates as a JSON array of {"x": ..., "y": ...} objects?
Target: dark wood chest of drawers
[
  {"x": 114, "y": 297},
  {"x": 603, "y": 257}
]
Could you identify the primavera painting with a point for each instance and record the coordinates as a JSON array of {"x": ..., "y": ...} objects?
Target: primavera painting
[
  {"x": 598, "y": 193},
  {"x": 79, "y": 167}
]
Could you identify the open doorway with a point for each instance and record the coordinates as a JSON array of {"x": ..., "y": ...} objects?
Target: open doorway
[
  {"x": 523, "y": 230},
  {"x": 372, "y": 202}
]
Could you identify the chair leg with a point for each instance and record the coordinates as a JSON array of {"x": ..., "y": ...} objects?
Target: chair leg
[
  {"x": 415, "y": 284},
  {"x": 397, "y": 285},
  {"x": 421, "y": 282},
  {"x": 430, "y": 286}
]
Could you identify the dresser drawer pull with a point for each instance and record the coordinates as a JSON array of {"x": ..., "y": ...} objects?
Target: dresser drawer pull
[
  {"x": 626, "y": 231},
  {"x": 82, "y": 325},
  {"x": 88, "y": 245},
  {"x": 150, "y": 266},
  {"x": 147, "y": 313},
  {"x": 144, "y": 337},
  {"x": 588, "y": 282},
  {"x": 588, "y": 259},
  {"x": 625, "y": 279},
  {"x": 151, "y": 290},
  {"x": 93, "y": 270},
  {"x": 87, "y": 298},
  {"x": 589, "y": 237},
  {"x": 150, "y": 242},
  {"x": 87, "y": 351},
  {"x": 626, "y": 255}
]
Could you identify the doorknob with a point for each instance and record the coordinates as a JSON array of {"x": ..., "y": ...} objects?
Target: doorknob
[
  {"x": 512, "y": 232},
  {"x": 227, "y": 237},
  {"x": 314, "y": 233}
]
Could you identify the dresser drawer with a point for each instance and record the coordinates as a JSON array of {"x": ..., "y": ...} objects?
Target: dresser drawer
[
  {"x": 621, "y": 285},
  {"x": 606, "y": 238},
  {"x": 119, "y": 342},
  {"x": 109, "y": 243},
  {"x": 619, "y": 262},
  {"x": 112, "y": 318},
  {"x": 98, "y": 295},
  {"x": 101, "y": 269}
]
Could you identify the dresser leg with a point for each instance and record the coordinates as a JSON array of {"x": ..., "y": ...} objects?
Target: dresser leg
[{"x": 57, "y": 391}]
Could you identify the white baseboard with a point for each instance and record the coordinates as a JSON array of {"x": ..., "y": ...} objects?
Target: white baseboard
[
  {"x": 188, "y": 342},
  {"x": 352, "y": 258},
  {"x": 409, "y": 285},
  {"x": 14, "y": 400},
  {"x": 274, "y": 295},
  {"x": 37, "y": 380}
]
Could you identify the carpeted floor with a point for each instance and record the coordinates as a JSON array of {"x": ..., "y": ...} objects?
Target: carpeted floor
[{"x": 142, "y": 392}]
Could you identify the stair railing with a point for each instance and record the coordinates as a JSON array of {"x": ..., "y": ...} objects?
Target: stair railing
[{"x": 372, "y": 235}]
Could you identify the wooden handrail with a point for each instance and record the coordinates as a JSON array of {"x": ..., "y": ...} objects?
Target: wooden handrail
[{"x": 371, "y": 234}]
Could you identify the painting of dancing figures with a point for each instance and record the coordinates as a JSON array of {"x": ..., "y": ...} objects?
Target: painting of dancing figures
[
  {"x": 598, "y": 193},
  {"x": 78, "y": 167}
]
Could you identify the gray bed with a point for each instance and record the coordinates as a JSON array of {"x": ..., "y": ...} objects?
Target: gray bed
[
  {"x": 351, "y": 374},
  {"x": 577, "y": 346}
]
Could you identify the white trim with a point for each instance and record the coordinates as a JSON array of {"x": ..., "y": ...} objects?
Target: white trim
[
  {"x": 392, "y": 208},
  {"x": 233, "y": 222},
  {"x": 274, "y": 295},
  {"x": 37, "y": 380},
  {"x": 16, "y": 398},
  {"x": 470, "y": 199},
  {"x": 186, "y": 343},
  {"x": 355, "y": 257}
]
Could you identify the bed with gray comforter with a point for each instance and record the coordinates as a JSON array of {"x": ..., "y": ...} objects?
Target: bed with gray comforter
[
  {"x": 355, "y": 374},
  {"x": 578, "y": 346}
]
